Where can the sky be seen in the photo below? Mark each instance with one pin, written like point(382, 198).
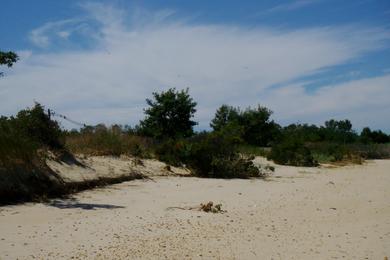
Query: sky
point(97, 61)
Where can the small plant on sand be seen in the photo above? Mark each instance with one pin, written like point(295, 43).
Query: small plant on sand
point(210, 207)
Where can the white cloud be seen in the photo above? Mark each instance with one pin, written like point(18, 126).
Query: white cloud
point(220, 64)
point(364, 101)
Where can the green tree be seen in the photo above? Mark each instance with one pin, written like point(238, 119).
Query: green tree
point(377, 136)
point(169, 115)
point(8, 59)
point(258, 128)
point(339, 131)
point(225, 115)
point(255, 124)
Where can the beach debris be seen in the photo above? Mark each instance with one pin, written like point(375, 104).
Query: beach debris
point(210, 207)
point(206, 207)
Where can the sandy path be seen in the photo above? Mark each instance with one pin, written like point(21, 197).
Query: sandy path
point(297, 214)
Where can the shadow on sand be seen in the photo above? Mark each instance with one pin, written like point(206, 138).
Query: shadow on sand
point(72, 204)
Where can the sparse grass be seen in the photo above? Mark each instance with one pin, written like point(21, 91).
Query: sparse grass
point(323, 158)
point(109, 142)
point(251, 150)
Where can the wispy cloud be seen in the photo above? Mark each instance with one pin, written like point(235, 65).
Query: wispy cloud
point(294, 5)
point(220, 64)
point(41, 36)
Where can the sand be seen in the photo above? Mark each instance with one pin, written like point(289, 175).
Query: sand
point(298, 213)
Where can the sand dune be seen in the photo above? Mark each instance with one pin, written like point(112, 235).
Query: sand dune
point(298, 213)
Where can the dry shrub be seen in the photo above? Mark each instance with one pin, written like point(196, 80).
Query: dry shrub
point(210, 207)
point(106, 141)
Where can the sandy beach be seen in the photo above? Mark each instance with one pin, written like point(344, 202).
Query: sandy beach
point(297, 213)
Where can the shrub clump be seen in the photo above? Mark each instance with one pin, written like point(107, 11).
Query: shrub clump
point(292, 152)
point(24, 142)
point(211, 155)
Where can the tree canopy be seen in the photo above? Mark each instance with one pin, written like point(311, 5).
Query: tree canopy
point(169, 115)
point(254, 123)
point(8, 59)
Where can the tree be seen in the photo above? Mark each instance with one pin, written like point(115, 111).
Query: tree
point(258, 128)
point(224, 115)
point(368, 136)
point(339, 131)
point(255, 124)
point(365, 135)
point(169, 115)
point(8, 59)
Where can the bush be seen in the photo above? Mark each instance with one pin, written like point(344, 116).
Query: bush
point(24, 140)
point(22, 136)
point(212, 155)
point(35, 124)
point(292, 151)
point(174, 152)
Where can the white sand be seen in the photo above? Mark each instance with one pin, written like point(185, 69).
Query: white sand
point(95, 167)
point(299, 213)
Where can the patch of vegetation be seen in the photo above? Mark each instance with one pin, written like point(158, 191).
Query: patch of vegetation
point(169, 115)
point(24, 140)
point(252, 150)
point(216, 155)
point(8, 59)
point(254, 124)
point(102, 140)
point(292, 151)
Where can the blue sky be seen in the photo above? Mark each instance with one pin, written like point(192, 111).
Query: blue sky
point(97, 61)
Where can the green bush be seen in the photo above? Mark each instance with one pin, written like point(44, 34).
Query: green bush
point(22, 136)
point(212, 155)
point(216, 155)
point(292, 151)
point(35, 124)
point(174, 152)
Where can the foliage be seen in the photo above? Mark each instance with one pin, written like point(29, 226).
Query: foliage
point(252, 150)
point(225, 115)
point(38, 126)
point(212, 155)
point(339, 131)
point(8, 59)
point(174, 152)
point(292, 151)
point(24, 140)
point(368, 136)
point(169, 115)
point(23, 135)
point(254, 124)
point(15, 147)
point(215, 155)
